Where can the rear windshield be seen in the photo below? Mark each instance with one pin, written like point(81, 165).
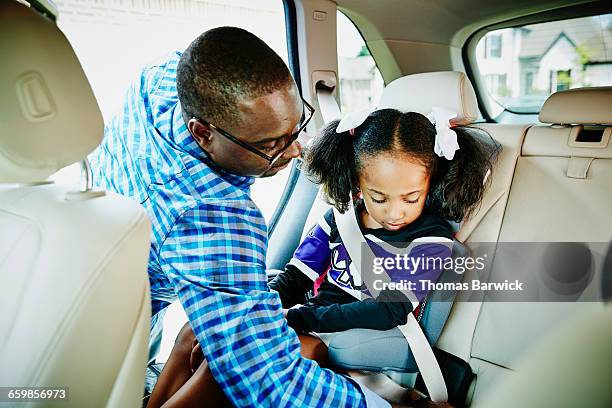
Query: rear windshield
point(522, 66)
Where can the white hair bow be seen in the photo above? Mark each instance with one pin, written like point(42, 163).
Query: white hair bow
point(446, 138)
point(352, 121)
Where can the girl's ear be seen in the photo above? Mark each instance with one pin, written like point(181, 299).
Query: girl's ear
point(359, 194)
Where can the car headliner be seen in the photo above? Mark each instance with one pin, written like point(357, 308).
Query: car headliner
point(438, 21)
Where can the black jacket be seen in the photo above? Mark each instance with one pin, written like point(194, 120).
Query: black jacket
point(332, 309)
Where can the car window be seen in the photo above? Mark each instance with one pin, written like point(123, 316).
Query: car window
point(114, 39)
point(360, 81)
point(522, 66)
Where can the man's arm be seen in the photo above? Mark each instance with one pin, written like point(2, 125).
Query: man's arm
point(217, 267)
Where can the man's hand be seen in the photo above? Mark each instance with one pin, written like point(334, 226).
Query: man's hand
point(197, 357)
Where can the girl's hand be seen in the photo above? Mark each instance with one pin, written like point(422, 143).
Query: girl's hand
point(285, 311)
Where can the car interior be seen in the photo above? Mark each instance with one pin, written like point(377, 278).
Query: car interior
point(64, 251)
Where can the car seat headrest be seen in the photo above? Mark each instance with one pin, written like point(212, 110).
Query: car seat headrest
point(420, 92)
point(49, 115)
point(581, 106)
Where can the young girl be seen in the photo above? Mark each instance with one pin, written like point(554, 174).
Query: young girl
point(407, 183)
point(408, 177)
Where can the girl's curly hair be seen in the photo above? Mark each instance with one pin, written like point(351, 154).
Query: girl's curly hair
point(457, 186)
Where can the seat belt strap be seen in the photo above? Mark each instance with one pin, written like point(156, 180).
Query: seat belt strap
point(327, 103)
point(356, 245)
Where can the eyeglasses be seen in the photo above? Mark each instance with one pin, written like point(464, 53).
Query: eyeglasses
point(285, 141)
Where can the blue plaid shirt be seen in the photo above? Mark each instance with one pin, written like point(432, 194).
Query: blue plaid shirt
point(208, 248)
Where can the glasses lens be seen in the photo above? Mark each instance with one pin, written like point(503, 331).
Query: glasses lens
point(307, 114)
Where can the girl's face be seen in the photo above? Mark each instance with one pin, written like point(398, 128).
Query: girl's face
point(394, 189)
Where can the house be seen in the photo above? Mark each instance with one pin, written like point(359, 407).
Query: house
point(522, 66)
point(360, 82)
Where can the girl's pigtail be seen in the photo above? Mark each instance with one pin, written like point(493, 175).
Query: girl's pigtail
point(330, 162)
point(461, 182)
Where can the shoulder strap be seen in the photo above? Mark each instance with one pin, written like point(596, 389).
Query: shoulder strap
point(356, 245)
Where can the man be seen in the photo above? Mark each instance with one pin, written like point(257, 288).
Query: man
point(194, 131)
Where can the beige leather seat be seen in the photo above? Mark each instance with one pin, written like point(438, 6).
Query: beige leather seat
point(75, 296)
point(561, 191)
point(571, 368)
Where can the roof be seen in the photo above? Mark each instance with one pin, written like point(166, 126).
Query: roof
point(591, 34)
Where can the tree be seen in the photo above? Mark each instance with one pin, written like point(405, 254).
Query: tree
point(364, 52)
point(583, 55)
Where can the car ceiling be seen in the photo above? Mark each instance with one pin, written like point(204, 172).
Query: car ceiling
point(438, 21)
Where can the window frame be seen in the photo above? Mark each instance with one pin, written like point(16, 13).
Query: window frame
point(46, 8)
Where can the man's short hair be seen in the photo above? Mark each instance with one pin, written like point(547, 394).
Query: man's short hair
point(224, 65)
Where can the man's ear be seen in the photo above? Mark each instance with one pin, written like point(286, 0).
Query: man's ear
point(201, 133)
